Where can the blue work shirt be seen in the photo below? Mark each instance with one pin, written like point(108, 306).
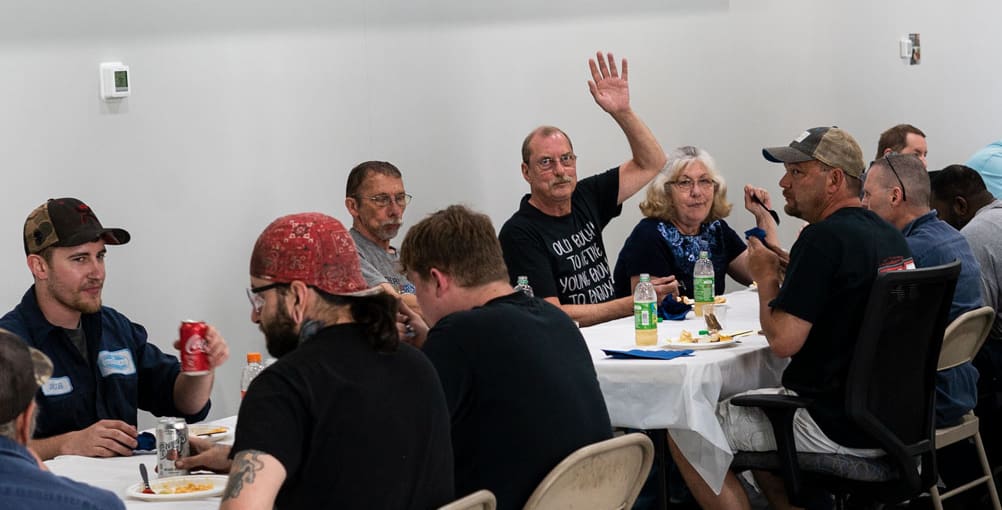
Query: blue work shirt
point(122, 372)
point(934, 242)
point(23, 485)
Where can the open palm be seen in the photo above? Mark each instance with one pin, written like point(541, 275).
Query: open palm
point(610, 89)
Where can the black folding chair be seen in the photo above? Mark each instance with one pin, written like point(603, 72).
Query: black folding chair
point(890, 397)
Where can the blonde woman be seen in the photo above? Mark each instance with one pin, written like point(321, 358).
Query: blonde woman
point(685, 209)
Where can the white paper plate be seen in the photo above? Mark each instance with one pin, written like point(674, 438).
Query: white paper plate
point(209, 431)
point(697, 347)
point(218, 483)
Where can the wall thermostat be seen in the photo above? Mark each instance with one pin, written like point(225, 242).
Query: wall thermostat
point(114, 80)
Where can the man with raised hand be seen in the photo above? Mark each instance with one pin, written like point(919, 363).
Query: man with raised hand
point(555, 237)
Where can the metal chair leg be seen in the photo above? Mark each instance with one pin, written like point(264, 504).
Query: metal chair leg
point(992, 492)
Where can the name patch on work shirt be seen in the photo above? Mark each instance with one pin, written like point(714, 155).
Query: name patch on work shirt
point(57, 386)
point(115, 362)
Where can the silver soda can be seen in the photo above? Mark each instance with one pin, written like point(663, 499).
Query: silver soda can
point(172, 444)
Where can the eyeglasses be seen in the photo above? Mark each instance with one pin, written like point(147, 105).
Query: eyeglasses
point(687, 184)
point(904, 197)
point(547, 162)
point(383, 199)
point(253, 294)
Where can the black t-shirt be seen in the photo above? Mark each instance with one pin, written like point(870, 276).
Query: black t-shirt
point(565, 256)
point(354, 428)
point(657, 248)
point(522, 390)
point(832, 268)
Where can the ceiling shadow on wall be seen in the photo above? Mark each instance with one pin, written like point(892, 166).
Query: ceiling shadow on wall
point(54, 20)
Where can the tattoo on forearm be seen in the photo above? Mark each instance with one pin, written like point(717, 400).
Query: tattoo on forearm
point(246, 465)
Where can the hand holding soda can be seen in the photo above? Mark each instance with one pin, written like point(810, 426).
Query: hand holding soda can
point(194, 354)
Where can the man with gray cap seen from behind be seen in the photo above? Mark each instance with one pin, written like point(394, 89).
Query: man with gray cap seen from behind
point(24, 480)
point(105, 369)
point(814, 317)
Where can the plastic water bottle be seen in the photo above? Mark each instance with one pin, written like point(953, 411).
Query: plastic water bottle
point(523, 286)
point(250, 371)
point(703, 281)
point(645, 311)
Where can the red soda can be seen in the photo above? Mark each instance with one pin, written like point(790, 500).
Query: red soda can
point(194, 356)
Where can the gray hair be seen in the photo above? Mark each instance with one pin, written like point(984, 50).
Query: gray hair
point(659, 202)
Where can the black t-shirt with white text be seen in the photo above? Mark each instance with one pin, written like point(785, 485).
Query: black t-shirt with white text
point(565, 256)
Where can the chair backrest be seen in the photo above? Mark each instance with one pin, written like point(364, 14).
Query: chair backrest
point(965, 336)
point(480, 500)
point(890, 390)
point(602, 476)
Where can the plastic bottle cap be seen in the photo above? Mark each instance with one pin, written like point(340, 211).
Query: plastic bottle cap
point(703, 332)
point(253, 357)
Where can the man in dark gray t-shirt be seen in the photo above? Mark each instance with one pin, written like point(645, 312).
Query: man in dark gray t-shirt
point(375, 198)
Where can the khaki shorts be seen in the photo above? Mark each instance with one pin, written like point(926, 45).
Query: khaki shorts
point(748, 429)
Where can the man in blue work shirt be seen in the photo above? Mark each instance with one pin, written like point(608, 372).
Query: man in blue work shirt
point(24, 483)
point(104, 368)
point(897, 189)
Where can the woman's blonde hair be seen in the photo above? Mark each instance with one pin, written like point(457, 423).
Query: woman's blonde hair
point(659, 202)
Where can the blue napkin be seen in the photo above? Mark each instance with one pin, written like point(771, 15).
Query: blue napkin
point(671, 310)
point(147, 443)
point(642, 354)
point(755, 232)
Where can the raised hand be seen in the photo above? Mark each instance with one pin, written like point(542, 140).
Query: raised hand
point(610, 89)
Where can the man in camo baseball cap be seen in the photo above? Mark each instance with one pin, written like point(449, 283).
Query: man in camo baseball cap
point(66, 222)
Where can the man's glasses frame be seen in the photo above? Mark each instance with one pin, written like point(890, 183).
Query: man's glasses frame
point(253, 294)
point(566, 160)
point(904, 196)
point(383, 199)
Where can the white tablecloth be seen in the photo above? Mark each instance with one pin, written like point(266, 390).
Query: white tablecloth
point(681, 394)
point(116, 474)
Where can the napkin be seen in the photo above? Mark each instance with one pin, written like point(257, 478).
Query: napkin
point(642, 354)
point(147, 443)
point(671, 310)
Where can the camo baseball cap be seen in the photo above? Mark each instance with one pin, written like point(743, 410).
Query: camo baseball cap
point(66, 222)
point(312, 248)
point(829, 145)
point(23, 370)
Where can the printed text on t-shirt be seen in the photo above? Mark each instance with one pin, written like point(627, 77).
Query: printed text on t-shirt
point(591, 280)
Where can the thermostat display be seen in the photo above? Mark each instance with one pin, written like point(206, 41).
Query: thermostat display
point(114, 80)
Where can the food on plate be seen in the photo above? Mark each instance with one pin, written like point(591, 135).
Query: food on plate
point(685, 337)
point(706, 337)
point(186, 488)
point(689, 301)
point(208, 431)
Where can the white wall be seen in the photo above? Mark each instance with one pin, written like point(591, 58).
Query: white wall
point(246, 110)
